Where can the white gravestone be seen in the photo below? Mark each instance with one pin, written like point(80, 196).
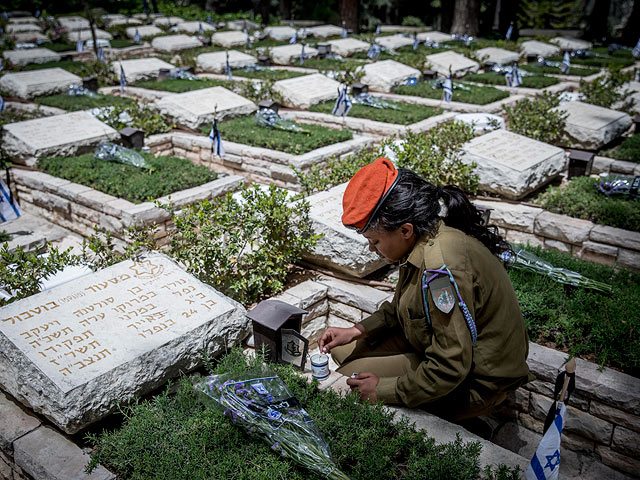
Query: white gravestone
point(303, 92)
point(144, 31)
point(167, 21)
point(174, 43)
point(195, 109)
point(242, 24)
point(23, 20)
point(481, 122)
point(111, 17)
point(290, 54)
point(229, 39)
point(23, 27)
point(280, 34)
point(539, 49)
point(393, 42)
point(216, 62)
point(591, 127)
point(434, 36)
point(386, 74)
point(30, 55)
point(125, 21)
point(74, 352)
point(459, 64)
point(35, 83)
point(73, 22)
point(84, 35)
point(29, 37)
point(513, 165)
point(500, 56)
point(345, 47)
point(60, 135)
point(324, 31)
point(339, 248)
point(140, 68)
point(567, 43)
point(194, 27)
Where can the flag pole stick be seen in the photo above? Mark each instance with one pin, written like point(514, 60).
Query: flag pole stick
point(570, 367)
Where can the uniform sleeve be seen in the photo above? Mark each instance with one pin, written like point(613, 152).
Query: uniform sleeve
point(448, 358)
point(385, 317)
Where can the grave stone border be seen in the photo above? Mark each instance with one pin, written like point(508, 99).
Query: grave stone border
point(458, 107)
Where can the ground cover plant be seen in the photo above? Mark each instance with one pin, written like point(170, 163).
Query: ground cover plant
point(535, 118)
point(479, 95)
point(11, 116)
point(628, 150)
point(574, 71)
point(579, 198)
point(329, 63)
point(180, 437)
point(492, 78)
point(267, 73)
point(583, 322)
point(607, 89)
point(69, 65)
point(166, 175)
point(405, 114)
point(134, 115)
point(599, 62)
point(59, 46)
point(95, 68)
point(245, 130)
point(179, 85)
point(73, 103)
point(121, 43)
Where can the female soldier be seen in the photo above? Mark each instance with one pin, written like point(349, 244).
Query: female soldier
point(452, 340)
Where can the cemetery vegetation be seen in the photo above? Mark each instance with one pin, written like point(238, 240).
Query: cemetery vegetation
point(492, 78)
point(329, 63)
point(59, 46)
point(166, 175)
point(573, 71)
point(599, 62)
point(245, 130)
point(607, 90)
point(405, 114)
point(476, 94)
point(628, 150)
point(179, 85)
point(90, 68)
point(4, 236)
point(183, 436)
point(11, 116)
point(134, 115)
point(73, 103)
point(267, 73)
point(121, 43)
point(535, 117)
point(580, 199)
point(580, 321)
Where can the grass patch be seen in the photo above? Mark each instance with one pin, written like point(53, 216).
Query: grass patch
point(492, 78)
point(167, 175)
point(583, 322)
point(121, 43)
point(476, 94)
point(330, 64)
point(179, 85)
point(267, 74)
point(245, 130)
point(628, 150)
point(575, 71)
point(405, 115)
point(598, 62)
point(580, 199)
point(82, 102)
point(69, 65)
point(59, 46)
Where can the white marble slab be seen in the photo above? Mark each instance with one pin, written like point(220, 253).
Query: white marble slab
point(324, 31)
point(290, 54)
point(73, 22)
point(393, 42)
point(137, 69)
point(84, 35)
point(568, 43)
point(22, 28)
point(434, 36)
point(144, 31)
point(216, 62)
point(229, 39)
point(30, 55)
point(459, 64)
point(302, 92)
point(386, 74)
point(281, 34)
point(346, 47)
point(175, 43)
point(165, 21)
point(500, 56)
point(194, 27)
point(29, 37)
point(36, 83)
point(539, 49)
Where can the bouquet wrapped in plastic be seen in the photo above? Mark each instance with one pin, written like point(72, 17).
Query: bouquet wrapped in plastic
point(368, 100)
point(619, 185)
point(115, 153)
point(266, 117)
point(260, 402)
point(78, 91)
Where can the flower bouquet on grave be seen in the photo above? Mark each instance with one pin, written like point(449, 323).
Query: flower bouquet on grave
point(439, 83)
point(626, 185)
point(266, 117)
point(527, 261)
point(366, 99)
point(77, 91)
point(115, 153)
point(260, 402)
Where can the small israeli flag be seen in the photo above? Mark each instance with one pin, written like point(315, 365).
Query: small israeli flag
point(101, 56)
point(79, 46)
point(200, 29)
point(216, 141)
point(378, 30)
point(509, 32)
point(636, 50)
point(136, 37)
point(344, 32)
point(248, 39)
point(9, 208)
point(374, 51)
point(566, 63)
point(545, 464)
point(1, 65)
point(209, 20)
point(411, 81)
point(2, 104)
point(123, 79)
point(227, 69)
point(513, 78)
point(447, 89)
point(343, 104)
point(37, 14)
point(294, 38)
point(416, 42)
point(302, 55)
point(467, 39)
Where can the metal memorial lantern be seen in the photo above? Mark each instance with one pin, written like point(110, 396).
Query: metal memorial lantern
point(580, 163)
point(324, 49)
point(90, 83)
point(264, 60)
point(276, 326)
point(269, 104)
point(429, 74)
point(358, 88)
point(164, 73)
point(132, 138)
point(636, 122)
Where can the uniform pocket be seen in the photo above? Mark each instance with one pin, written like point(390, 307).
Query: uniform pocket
point(418, 333)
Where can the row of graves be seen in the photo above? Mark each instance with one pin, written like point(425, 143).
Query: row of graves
point(265, 105)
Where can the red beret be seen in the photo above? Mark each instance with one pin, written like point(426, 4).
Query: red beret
point(366, 191)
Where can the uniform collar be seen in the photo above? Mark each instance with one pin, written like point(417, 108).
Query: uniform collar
point(416, 256)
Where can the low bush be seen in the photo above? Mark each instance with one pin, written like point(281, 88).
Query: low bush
point(574, 71)
point(628, 150)
point(167, 175)
point(579, 198)
point(73, 103)
point(69, 65)
point(607, 89)
point(90, 68)
point(121, 43)
point(599, 62)
point(535, 118)
point(329, 63)
point(478, 95)
point(267, 74)
point(406, 113)
point(245, 130)
point(178, 85)
point(59, 46)
point(580, 321)
point(534, 81)
point(134, 115)
point(412, 21)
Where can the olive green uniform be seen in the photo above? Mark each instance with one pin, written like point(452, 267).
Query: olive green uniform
point(440, 363)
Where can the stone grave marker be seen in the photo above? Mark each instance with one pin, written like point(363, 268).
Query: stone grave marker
point(150, 16)
point(125, 21)
point(460, 65)
point(302, 92)
point(195, 109)
point(35, 83)
point(393, 42)
point(216, 61)
point(140, 68)
point(539, 49)
point(340, 248)
point(567, 43)
point(290, 54)
point(73, 22)
point(175, 43)
point(324, 31)
point(500, 56)
point(23, 20)
point(29, 37)
point(434, 36)
point(345, 47)
point(84, 35)
point(242, 24)
point(229, 39)
point(144, 31)
point(61, 135)
point(591, 127)
point(22, 27)
point(194, 27)
point(386, 74)
point(80, 348)
point(30, 55)
point(111, 17)
point(513, 165)
point(165, 21)
point(280, 34)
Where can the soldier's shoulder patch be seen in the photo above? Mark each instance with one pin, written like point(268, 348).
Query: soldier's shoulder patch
point(442, 293)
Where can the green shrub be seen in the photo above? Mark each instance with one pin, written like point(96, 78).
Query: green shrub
point(267, 74)
point(167, 175)
point(575, 71)
point(580, 199)
point(412, 21)
point(243, 247)
point(478, 95)
point(59, 46)
point(580, 321)
point(90, 68)
point(329, 63)
point(245, 130)
point(628, 150)
point(599, 62)
point(140, 115)
point(11, 116)
point(178, 85)
point(606, 90)
point(68, 65)
point(535, 118)
point(406, 114)
point(534, 81)
point(121, 43)
point(82, 102)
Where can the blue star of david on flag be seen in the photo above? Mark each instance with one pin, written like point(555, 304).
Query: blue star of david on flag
point(545, 464)
point(101, 56)
point(343, 104)
point(416, 42)
point(79, 46)
point(200, 29)
point(248, 39)
point(412, 81)
point(227, 69)
point(513, 77)
point(374, 51)
point(302, 55)
point(123, 79)
point(378, 30)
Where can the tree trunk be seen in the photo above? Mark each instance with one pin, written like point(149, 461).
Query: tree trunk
point(285, 9)
point(465, 17)
point(630, 31)
point(264, 11)
point(92, 26)
point(598, 21)
point(349, 14)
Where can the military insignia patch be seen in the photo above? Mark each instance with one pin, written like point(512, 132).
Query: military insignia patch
point(442, 294)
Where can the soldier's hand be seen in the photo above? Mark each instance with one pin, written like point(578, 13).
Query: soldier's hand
point(336, 336)
point(366, 384)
